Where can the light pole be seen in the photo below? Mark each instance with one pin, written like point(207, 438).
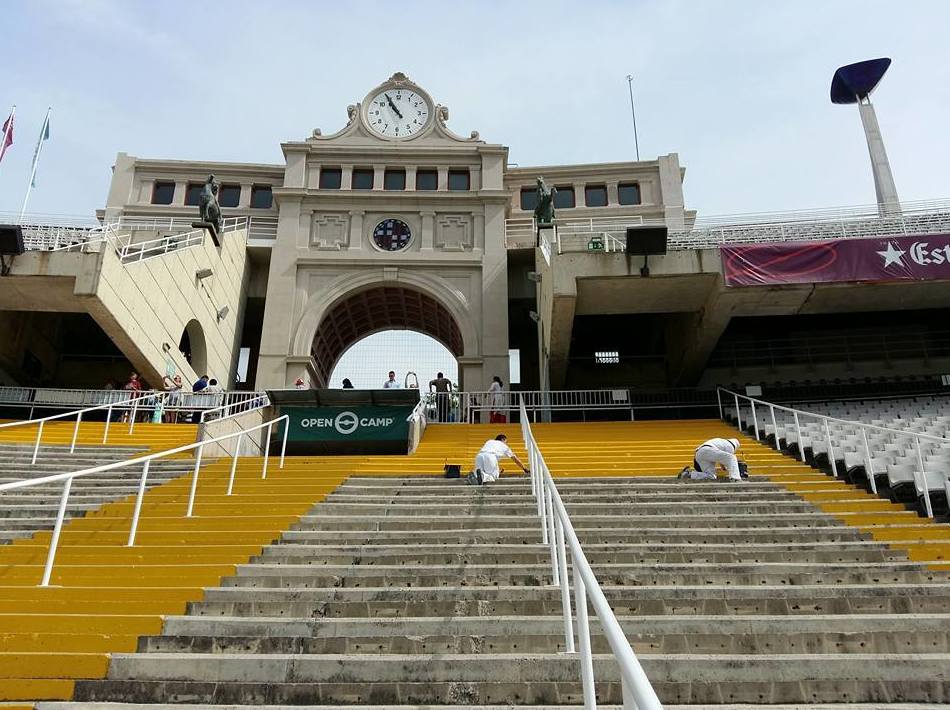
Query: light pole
point(853, 84)
point(633, 113)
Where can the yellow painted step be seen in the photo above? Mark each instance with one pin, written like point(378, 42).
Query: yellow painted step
point(36, 689)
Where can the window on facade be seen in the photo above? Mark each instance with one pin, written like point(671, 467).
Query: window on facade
point(564, 197)
point(607, 357)
point(229, 195)
point(529, 198)
point(459, 180)
point(331, 178)
point(163, 193)
point(261, 197)
point(628, 193)
point(595, 195)
point(193, 193)
point(394, 180)
point(362, 179)
point(427, 179)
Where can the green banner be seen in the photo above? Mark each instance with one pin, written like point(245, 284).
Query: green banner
point(367, 423)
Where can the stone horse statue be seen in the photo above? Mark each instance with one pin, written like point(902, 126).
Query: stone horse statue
point(208, 205)
point(544, 212)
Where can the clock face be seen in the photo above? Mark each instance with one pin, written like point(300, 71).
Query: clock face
point(397, 113)
point(392, 235)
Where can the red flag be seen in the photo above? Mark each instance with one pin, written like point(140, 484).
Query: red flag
point(7, 136)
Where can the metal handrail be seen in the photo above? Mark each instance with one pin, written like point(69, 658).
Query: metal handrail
point(146, 460)
point(417, 423)
point(920, 483)
point(158, 398)
point(254, 401)
point(134, 252)
point(558, 532)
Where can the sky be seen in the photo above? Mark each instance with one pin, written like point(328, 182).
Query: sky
point(739, 89)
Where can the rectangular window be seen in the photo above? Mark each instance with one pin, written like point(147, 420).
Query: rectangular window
point(229, 195)
point(564, 198)
point(607, 357)
point(628, 193)
point(394, 180)
point(193, 193)
point(331, 178)
point(529, 198)
point(362, 179)
point(163, 193)
point(595, 195)
point(459, 180)
point(262, 198)
point(427, 179)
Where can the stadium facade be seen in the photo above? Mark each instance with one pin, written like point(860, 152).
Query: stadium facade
point(395, 221)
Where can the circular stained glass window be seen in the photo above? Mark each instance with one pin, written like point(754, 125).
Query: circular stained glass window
point(392, 235)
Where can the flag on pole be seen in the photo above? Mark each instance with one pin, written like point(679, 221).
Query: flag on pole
point(44, 136)
point(7, 134)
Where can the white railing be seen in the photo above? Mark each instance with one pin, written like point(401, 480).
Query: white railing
point(131, 404)
point(263, 228)
point(247, 402)
point(520, 232)
point(558, 533)
point(572, 234)
point(177, 401)
point(921, 477)
point(146, 461)
point(467, 407)
point(134, 252)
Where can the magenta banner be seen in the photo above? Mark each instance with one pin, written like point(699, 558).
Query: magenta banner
point(917, 258)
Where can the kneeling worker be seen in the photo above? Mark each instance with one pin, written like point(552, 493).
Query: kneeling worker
point(486, 460)
point(721, 452)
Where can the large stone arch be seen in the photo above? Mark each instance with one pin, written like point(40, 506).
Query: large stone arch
point(322, 302)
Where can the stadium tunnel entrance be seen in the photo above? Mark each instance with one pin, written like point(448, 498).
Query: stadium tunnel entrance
point(375, 310)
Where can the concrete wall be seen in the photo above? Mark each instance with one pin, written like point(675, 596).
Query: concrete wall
point(252, 443)
point(146, 305)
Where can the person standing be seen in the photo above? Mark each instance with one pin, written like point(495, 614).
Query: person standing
point(442, 386)
point(173, 400)
point(487, 469)
point(200, 384)
point(718, 452)
point(347, 385)
point(391, 383)
point(300, 384)
point(497, 411)
point(134, 388)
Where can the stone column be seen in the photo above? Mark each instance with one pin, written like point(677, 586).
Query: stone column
point(428, 230)
point(613, 199)
point(411, 178)
point(347, 178)
point(478, 231)
point(579, 198)
point(378, 175)
point(356, 230)
point(245, 199)
point(178, 198)
point(443, 178)
point(475, 178)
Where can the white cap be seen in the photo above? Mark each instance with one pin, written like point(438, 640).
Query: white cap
point(735, 444)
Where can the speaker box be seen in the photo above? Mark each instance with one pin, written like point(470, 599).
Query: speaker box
point(11, 240)
point(646, 241)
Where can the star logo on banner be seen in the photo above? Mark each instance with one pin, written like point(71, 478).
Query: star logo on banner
point(893, 255)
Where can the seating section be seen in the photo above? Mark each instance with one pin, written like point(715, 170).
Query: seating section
point(895, 459)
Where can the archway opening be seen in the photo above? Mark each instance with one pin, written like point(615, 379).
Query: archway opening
point(193, 348)
point(379, 312)
point(416, 359)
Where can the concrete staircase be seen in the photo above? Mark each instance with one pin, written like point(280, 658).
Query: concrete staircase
point(421, 591)
point(24, 512)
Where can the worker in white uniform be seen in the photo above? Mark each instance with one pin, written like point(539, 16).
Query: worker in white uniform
point(486, 461)
point(720, 452)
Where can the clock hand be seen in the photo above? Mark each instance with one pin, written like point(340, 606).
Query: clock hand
point(392, 105)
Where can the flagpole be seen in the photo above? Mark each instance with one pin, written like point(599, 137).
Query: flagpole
point(6, 132)
point(36, 160)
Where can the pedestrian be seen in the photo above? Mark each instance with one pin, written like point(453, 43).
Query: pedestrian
point(391, 383)
point(300, 384)
point(497, 412)
point(213, 386)
point(717, 452)
point(173, 399)
point(486, 461)
point(200, 384)
point(134, 387)
point(347, 385)
point(441, 385)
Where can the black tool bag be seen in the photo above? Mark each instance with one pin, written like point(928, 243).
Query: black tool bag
point(453, 470)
